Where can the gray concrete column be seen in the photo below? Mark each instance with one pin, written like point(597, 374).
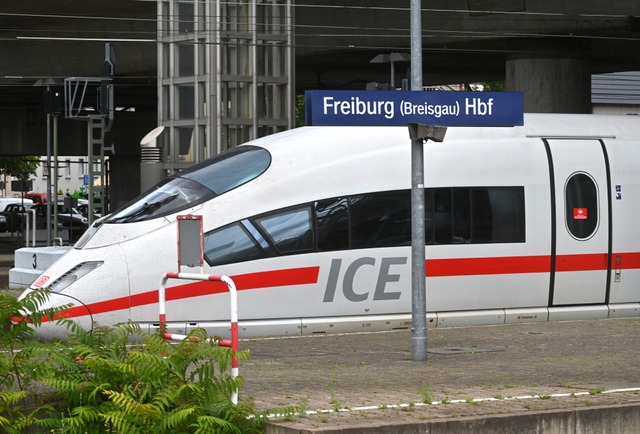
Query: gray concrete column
point(557, 82)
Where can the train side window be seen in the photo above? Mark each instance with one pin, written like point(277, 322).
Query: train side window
point(290, 231)
point(442, 210)
point(461, 216)
point(428, 215)
point(475, 215)
point(482, 227)
point(230, 244)
point(332, 224)
point(498, 215)
point(581, 206)
point(380, 219)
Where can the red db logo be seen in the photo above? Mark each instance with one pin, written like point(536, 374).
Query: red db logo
point(579, 213)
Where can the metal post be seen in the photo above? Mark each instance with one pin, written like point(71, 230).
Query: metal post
point(48, 203)
point(54, 197)
point(418, 284)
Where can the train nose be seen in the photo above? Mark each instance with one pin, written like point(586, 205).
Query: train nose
point(94, 292)
point(75, 310)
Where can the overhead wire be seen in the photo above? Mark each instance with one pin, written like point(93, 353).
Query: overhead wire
point(329, 36)
point(558, 17)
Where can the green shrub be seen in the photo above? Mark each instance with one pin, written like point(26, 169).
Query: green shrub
point(21, 363)
point(118, 380)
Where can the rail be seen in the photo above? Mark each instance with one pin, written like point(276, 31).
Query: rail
point(233, 343)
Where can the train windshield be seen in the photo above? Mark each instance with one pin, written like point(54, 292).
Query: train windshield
point(196, 185)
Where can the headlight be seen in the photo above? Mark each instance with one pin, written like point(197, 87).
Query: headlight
point(74, 274)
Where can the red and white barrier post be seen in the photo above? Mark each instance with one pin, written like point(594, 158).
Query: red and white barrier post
point(233, 343)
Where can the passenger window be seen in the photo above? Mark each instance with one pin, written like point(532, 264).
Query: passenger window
point(290, 231)
point(332, 224)
point(442, 215)
point(498, 215)
point(461, 216)
point(428, 216)
point(483, 226)
point(581, 206)
point(230, 244)
point(381, 219)
point(457, 215)
point(475, 215)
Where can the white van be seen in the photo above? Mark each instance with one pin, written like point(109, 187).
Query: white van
point(4, 201)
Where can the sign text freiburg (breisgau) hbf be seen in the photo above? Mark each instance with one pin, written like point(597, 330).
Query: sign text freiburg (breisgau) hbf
point(400, 108)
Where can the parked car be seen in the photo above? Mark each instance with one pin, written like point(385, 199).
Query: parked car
point(83, 208)
point(41, 197)
point(5, 201)
point(3, 223)
point(68, 218)
point(14, 215)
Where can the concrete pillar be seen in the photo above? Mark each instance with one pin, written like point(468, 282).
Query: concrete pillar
point(554, 78)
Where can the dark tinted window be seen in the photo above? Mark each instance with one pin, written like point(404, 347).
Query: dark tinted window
point(498, 215)
point(474, 215)
point(230, 244)
point(581, 197)
point(461, 216)
point(381, 219)
point(195, 185)
point(458, 215)
point(332, 224)
point(290, 230)
point(230, 169)
point(443, 215)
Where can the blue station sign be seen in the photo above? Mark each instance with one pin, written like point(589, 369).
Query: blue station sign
point(400, 108)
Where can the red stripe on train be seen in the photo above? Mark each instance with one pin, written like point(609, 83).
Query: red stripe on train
point(309, 275)
point(628, 260)
point(527, 264)
point(265, 279)
point(482, 266)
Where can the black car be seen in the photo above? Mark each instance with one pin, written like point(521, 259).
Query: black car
point(68, 218)
point(14, 215)
point(83, 208)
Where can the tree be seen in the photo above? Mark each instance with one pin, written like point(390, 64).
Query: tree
point(300, 117)
point(494, 86)
point(19, 167)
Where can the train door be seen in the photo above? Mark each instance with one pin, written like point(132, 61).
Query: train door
point(580, 260)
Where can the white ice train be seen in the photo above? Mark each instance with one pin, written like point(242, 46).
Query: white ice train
point(529, 223)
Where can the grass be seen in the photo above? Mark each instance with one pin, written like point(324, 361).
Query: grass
point(425, 393)
point(336, 403)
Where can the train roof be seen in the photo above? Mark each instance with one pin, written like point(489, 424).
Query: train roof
point(621, 127)
point(315, 162)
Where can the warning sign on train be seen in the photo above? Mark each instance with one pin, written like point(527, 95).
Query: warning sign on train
point(400, 108)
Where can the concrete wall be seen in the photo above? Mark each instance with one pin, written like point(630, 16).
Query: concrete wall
point(619, 419)
point(551, 85)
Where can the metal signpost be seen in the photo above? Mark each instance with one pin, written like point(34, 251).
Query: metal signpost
point(418, 255)
point(427, 114)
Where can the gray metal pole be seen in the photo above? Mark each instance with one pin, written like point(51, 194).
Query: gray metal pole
point(54, 198)
point(418, 269)
point(48, 205)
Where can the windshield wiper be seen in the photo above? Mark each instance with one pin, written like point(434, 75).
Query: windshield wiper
point(147, 208)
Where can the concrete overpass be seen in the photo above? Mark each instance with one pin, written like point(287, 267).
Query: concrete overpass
point(464, 41)
point(545, 48)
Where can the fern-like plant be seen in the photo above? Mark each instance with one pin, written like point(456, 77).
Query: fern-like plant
point(115, 380)
point(21, 362)
point(149, 386)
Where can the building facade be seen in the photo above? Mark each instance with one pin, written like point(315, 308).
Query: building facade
point(225, 75)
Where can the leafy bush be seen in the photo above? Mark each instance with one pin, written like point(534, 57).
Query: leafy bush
point(21, 363)
point(118, 380)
